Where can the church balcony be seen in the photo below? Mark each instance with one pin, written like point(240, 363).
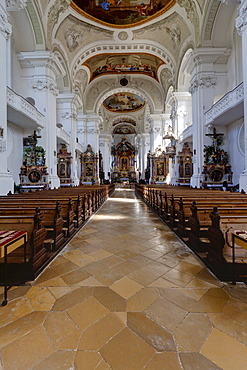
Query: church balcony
point(79, 148)
point(62, 136)
point(228, 109)
point(21, 112)
point(186, 134)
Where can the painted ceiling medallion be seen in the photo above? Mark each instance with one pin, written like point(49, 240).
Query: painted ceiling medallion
point(123, 102)
point(124, 130)
point(122, 13)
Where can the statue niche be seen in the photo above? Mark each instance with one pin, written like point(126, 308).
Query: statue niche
point(216, 169)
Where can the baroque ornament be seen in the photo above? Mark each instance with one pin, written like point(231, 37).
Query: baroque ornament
point(5, 26)
point(73, 38)
point(202, 82)
point(15, 5)
point(241, 21)
point(41, 85)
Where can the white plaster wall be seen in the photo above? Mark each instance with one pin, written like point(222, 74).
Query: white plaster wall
point(17, 83)
point(236, 157)
point(14, 150)
point(235, 69)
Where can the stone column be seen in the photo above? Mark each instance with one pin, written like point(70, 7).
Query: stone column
point(205, 77)
point(241, 25)
point(144, 148)
point(105, 148)
point(67, 108)
point(6, 180)
point(39, 71)
point(155, 121)
point(92, 130)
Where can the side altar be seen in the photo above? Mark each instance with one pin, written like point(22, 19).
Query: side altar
point(89, 167)
point(64, 159)
point(33, 173)
point(216, 169)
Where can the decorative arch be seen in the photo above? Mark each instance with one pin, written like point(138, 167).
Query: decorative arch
point(63, 82)
point(183, 79)
point(107, 48)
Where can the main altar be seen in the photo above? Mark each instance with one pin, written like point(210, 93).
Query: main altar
point(124, 154)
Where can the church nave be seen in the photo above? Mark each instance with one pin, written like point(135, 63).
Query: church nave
point(125, 293)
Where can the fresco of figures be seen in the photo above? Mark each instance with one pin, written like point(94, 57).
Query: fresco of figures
point(122, 63)
point(122, 12)
point(123, 102)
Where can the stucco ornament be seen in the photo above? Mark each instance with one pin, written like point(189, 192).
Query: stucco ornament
point(73, 38)
point(174, 32)
point(5, 26)
point(15, 5)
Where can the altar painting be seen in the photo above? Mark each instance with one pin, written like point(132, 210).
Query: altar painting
point(122, 12)
point(123, 102)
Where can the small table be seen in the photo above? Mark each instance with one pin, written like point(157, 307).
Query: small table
point(9, 241)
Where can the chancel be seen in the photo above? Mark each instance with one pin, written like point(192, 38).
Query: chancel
point(123, 181)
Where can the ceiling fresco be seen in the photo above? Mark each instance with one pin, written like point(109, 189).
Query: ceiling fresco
point(124, 130)
point(124, 120)
point(123, 63)
point(123, 102)
point(122, 12)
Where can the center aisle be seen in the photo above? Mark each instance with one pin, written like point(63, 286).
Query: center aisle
point(125, 294)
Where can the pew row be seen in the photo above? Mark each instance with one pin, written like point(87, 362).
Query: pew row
point(189, 215)
point(51, 219)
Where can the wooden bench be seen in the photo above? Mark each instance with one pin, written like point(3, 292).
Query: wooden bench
point(36, 251)
point(219, 256)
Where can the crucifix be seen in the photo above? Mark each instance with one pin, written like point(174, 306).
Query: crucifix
point(214, 136)
point(33, 141)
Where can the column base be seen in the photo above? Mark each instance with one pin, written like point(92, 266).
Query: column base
point(6, 183)
point(243, 182)
point(196, 181)
point(54, 182)
point(174, 181)
point(76, 181)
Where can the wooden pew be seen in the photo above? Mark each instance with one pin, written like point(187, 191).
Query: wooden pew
point(36, 251)
point(219, 256)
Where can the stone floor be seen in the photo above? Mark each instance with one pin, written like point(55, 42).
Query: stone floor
point(125, 294)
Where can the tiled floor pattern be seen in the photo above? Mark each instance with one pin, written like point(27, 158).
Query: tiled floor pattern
point(125, 294)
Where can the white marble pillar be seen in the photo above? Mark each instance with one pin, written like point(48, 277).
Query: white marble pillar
point(40, 70)
point(105, 148)
point(92, 131)
point(6, 180)
point(155, 131)
point(241, 25)
point(67, 108)
point(203, 69)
